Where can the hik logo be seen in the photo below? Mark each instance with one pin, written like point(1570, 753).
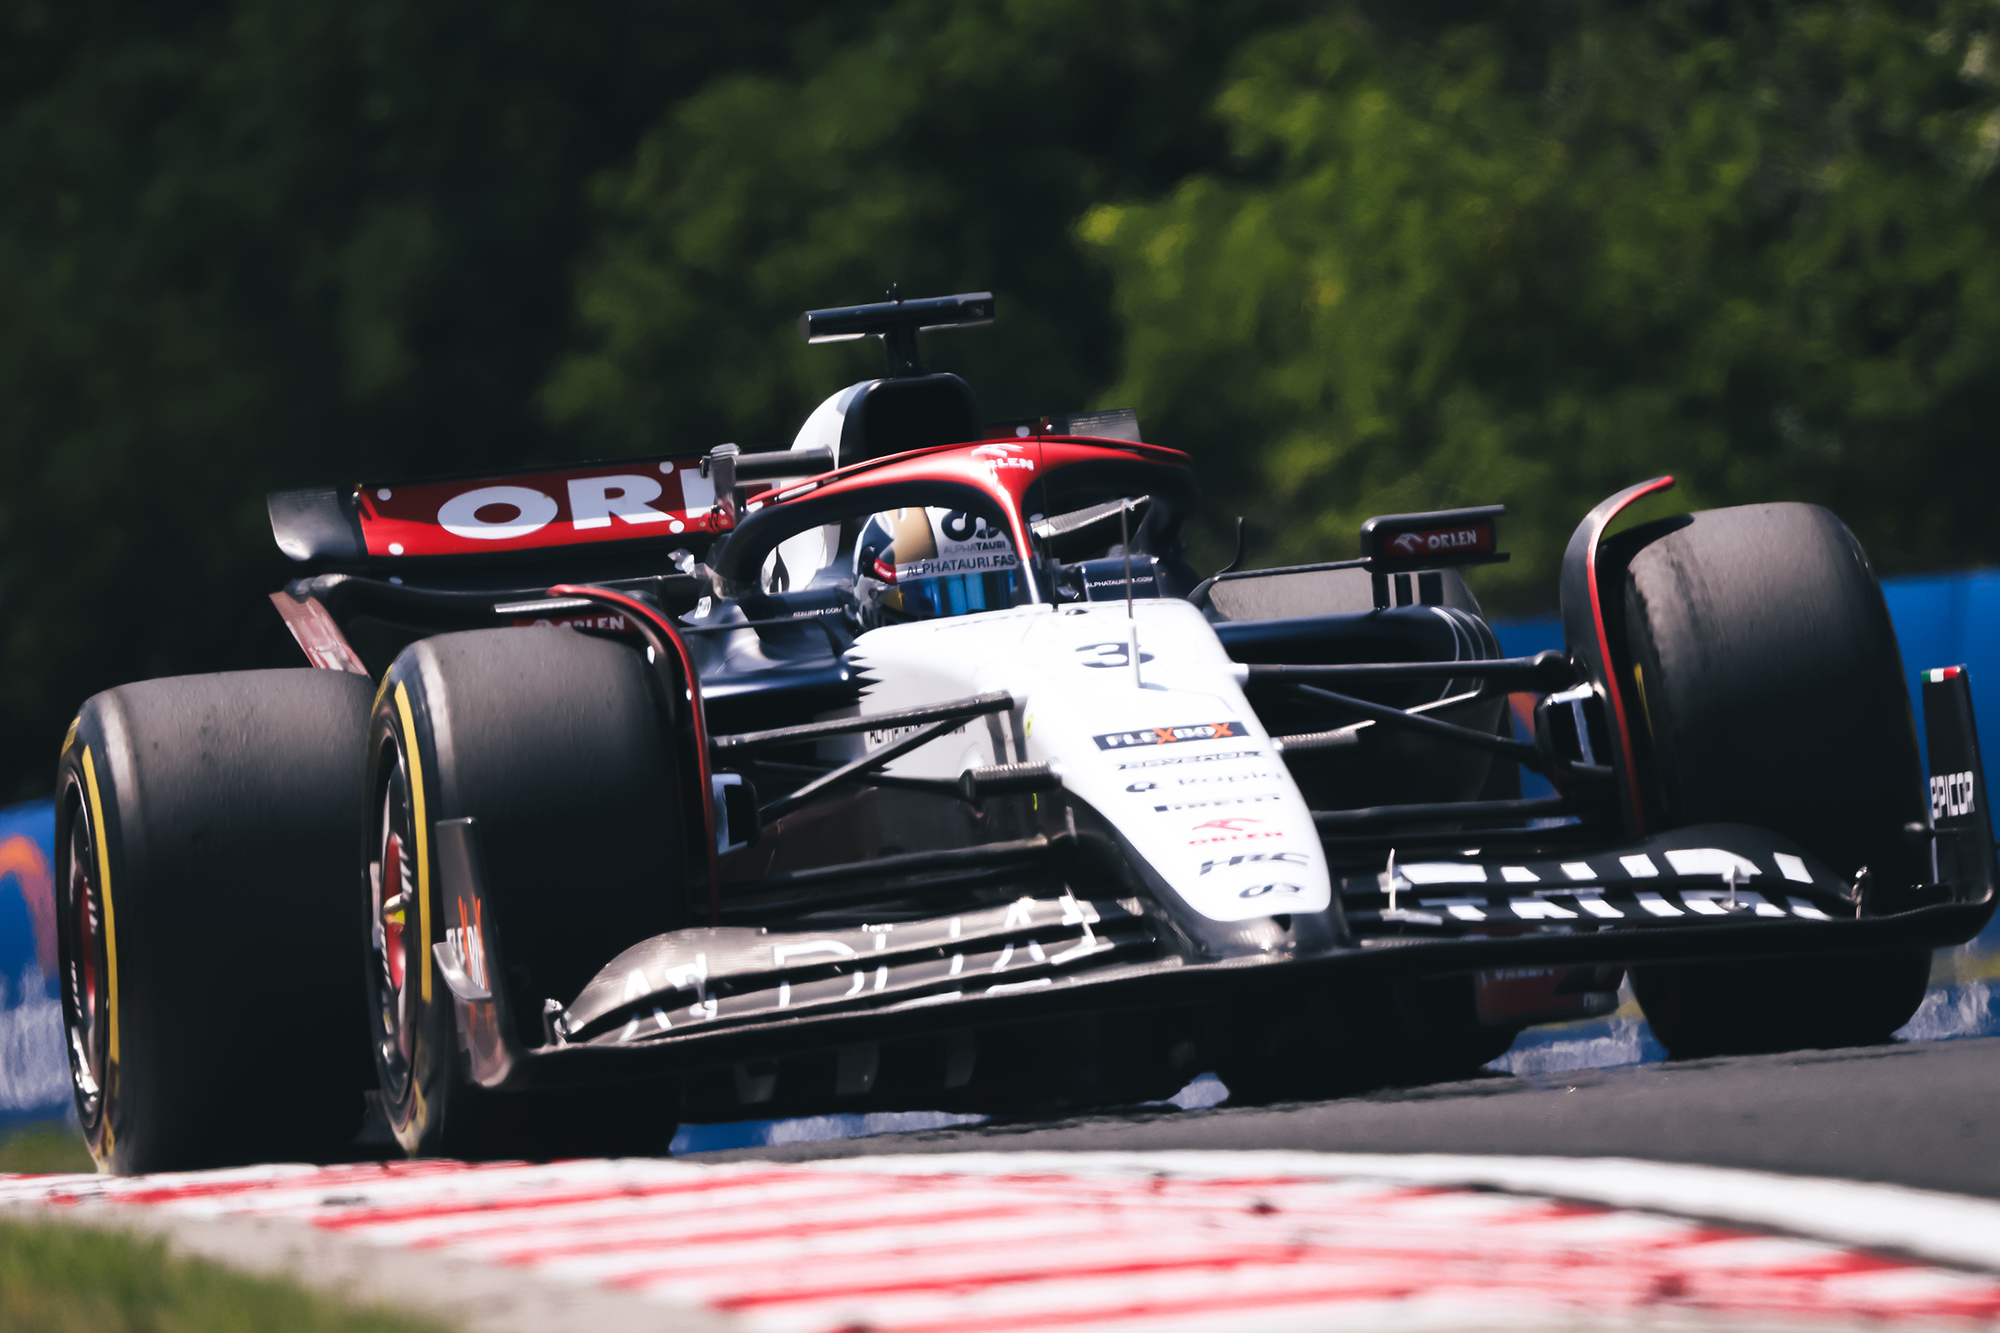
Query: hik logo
point(1247, 858)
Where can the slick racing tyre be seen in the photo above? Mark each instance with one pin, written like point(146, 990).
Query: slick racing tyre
point(1339, 1044)
point(554, 744)
point(207, 830)
point(1771, 692)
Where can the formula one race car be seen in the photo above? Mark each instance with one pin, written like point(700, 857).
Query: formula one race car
point(913, 767)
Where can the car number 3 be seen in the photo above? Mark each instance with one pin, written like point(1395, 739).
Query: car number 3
point(1111, 655)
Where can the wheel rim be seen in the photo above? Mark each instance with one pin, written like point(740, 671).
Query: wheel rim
point(391, 888)
point(86, 968)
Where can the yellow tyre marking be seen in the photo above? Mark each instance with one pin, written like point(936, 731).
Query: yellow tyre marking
point(423, 836)
point(419, 1113)
point(110, 935)
point(1645, 705)
point(69, 737)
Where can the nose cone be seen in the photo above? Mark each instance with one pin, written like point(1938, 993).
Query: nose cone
point(1174, 757)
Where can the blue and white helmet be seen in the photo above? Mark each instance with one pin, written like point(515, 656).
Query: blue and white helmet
point(921, 564)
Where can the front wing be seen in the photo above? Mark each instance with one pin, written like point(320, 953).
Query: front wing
point(1519, 898)
point(702, 997)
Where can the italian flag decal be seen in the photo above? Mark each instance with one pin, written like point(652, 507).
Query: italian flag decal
point(1941, 674)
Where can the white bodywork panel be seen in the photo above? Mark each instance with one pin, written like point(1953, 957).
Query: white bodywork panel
point(1175, 759)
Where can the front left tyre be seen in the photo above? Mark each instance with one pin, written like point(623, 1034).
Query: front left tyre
point(206, 836)
point(1769, 690)
point(556, 745)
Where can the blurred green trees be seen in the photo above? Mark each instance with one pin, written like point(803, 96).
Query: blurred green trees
point(1357, 258)
point(1539, 255)
point(254, 243)
point(950, 145)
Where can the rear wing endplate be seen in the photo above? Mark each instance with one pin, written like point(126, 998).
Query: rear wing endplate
point(1961, 821)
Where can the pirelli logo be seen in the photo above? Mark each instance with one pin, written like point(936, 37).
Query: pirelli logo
point(1200, 731)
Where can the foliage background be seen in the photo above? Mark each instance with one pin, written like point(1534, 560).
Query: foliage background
point(1356, 257)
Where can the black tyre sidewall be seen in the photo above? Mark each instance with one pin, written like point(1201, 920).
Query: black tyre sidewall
point(417, 1098)
point(225, 809)
point(1771, 687)
point(1723, 1008)
point(1770, 691)
point(554, 743)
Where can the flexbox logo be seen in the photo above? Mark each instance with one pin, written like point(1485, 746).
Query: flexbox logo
point(1201, 731)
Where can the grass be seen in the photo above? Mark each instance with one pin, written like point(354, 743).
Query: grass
point(60, 1278)
point(65, 1279)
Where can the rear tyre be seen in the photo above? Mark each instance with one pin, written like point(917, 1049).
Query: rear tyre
point(1702, 1009)
point(1770, 691)
point(554, 742)
point(206, 829)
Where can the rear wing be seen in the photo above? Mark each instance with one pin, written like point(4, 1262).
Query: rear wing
point(585, 505)
point(689, 498)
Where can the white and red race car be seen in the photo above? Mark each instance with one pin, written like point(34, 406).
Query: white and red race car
point(912, 766)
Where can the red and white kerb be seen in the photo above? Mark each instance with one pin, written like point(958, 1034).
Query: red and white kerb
point(1129, 1242)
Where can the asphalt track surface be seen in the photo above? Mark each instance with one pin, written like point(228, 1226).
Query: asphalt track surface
point(1921, 1114)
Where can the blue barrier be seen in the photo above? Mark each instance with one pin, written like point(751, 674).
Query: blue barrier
point(34, 1071)
point(1952, 620)
point(1940, 619)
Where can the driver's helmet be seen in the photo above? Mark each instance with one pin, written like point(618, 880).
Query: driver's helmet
point(920, 564)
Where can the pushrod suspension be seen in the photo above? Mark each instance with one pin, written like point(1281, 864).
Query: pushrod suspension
point(1518, 751)
point(1549, 670)
point(957, 710)
point(1390, 816)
